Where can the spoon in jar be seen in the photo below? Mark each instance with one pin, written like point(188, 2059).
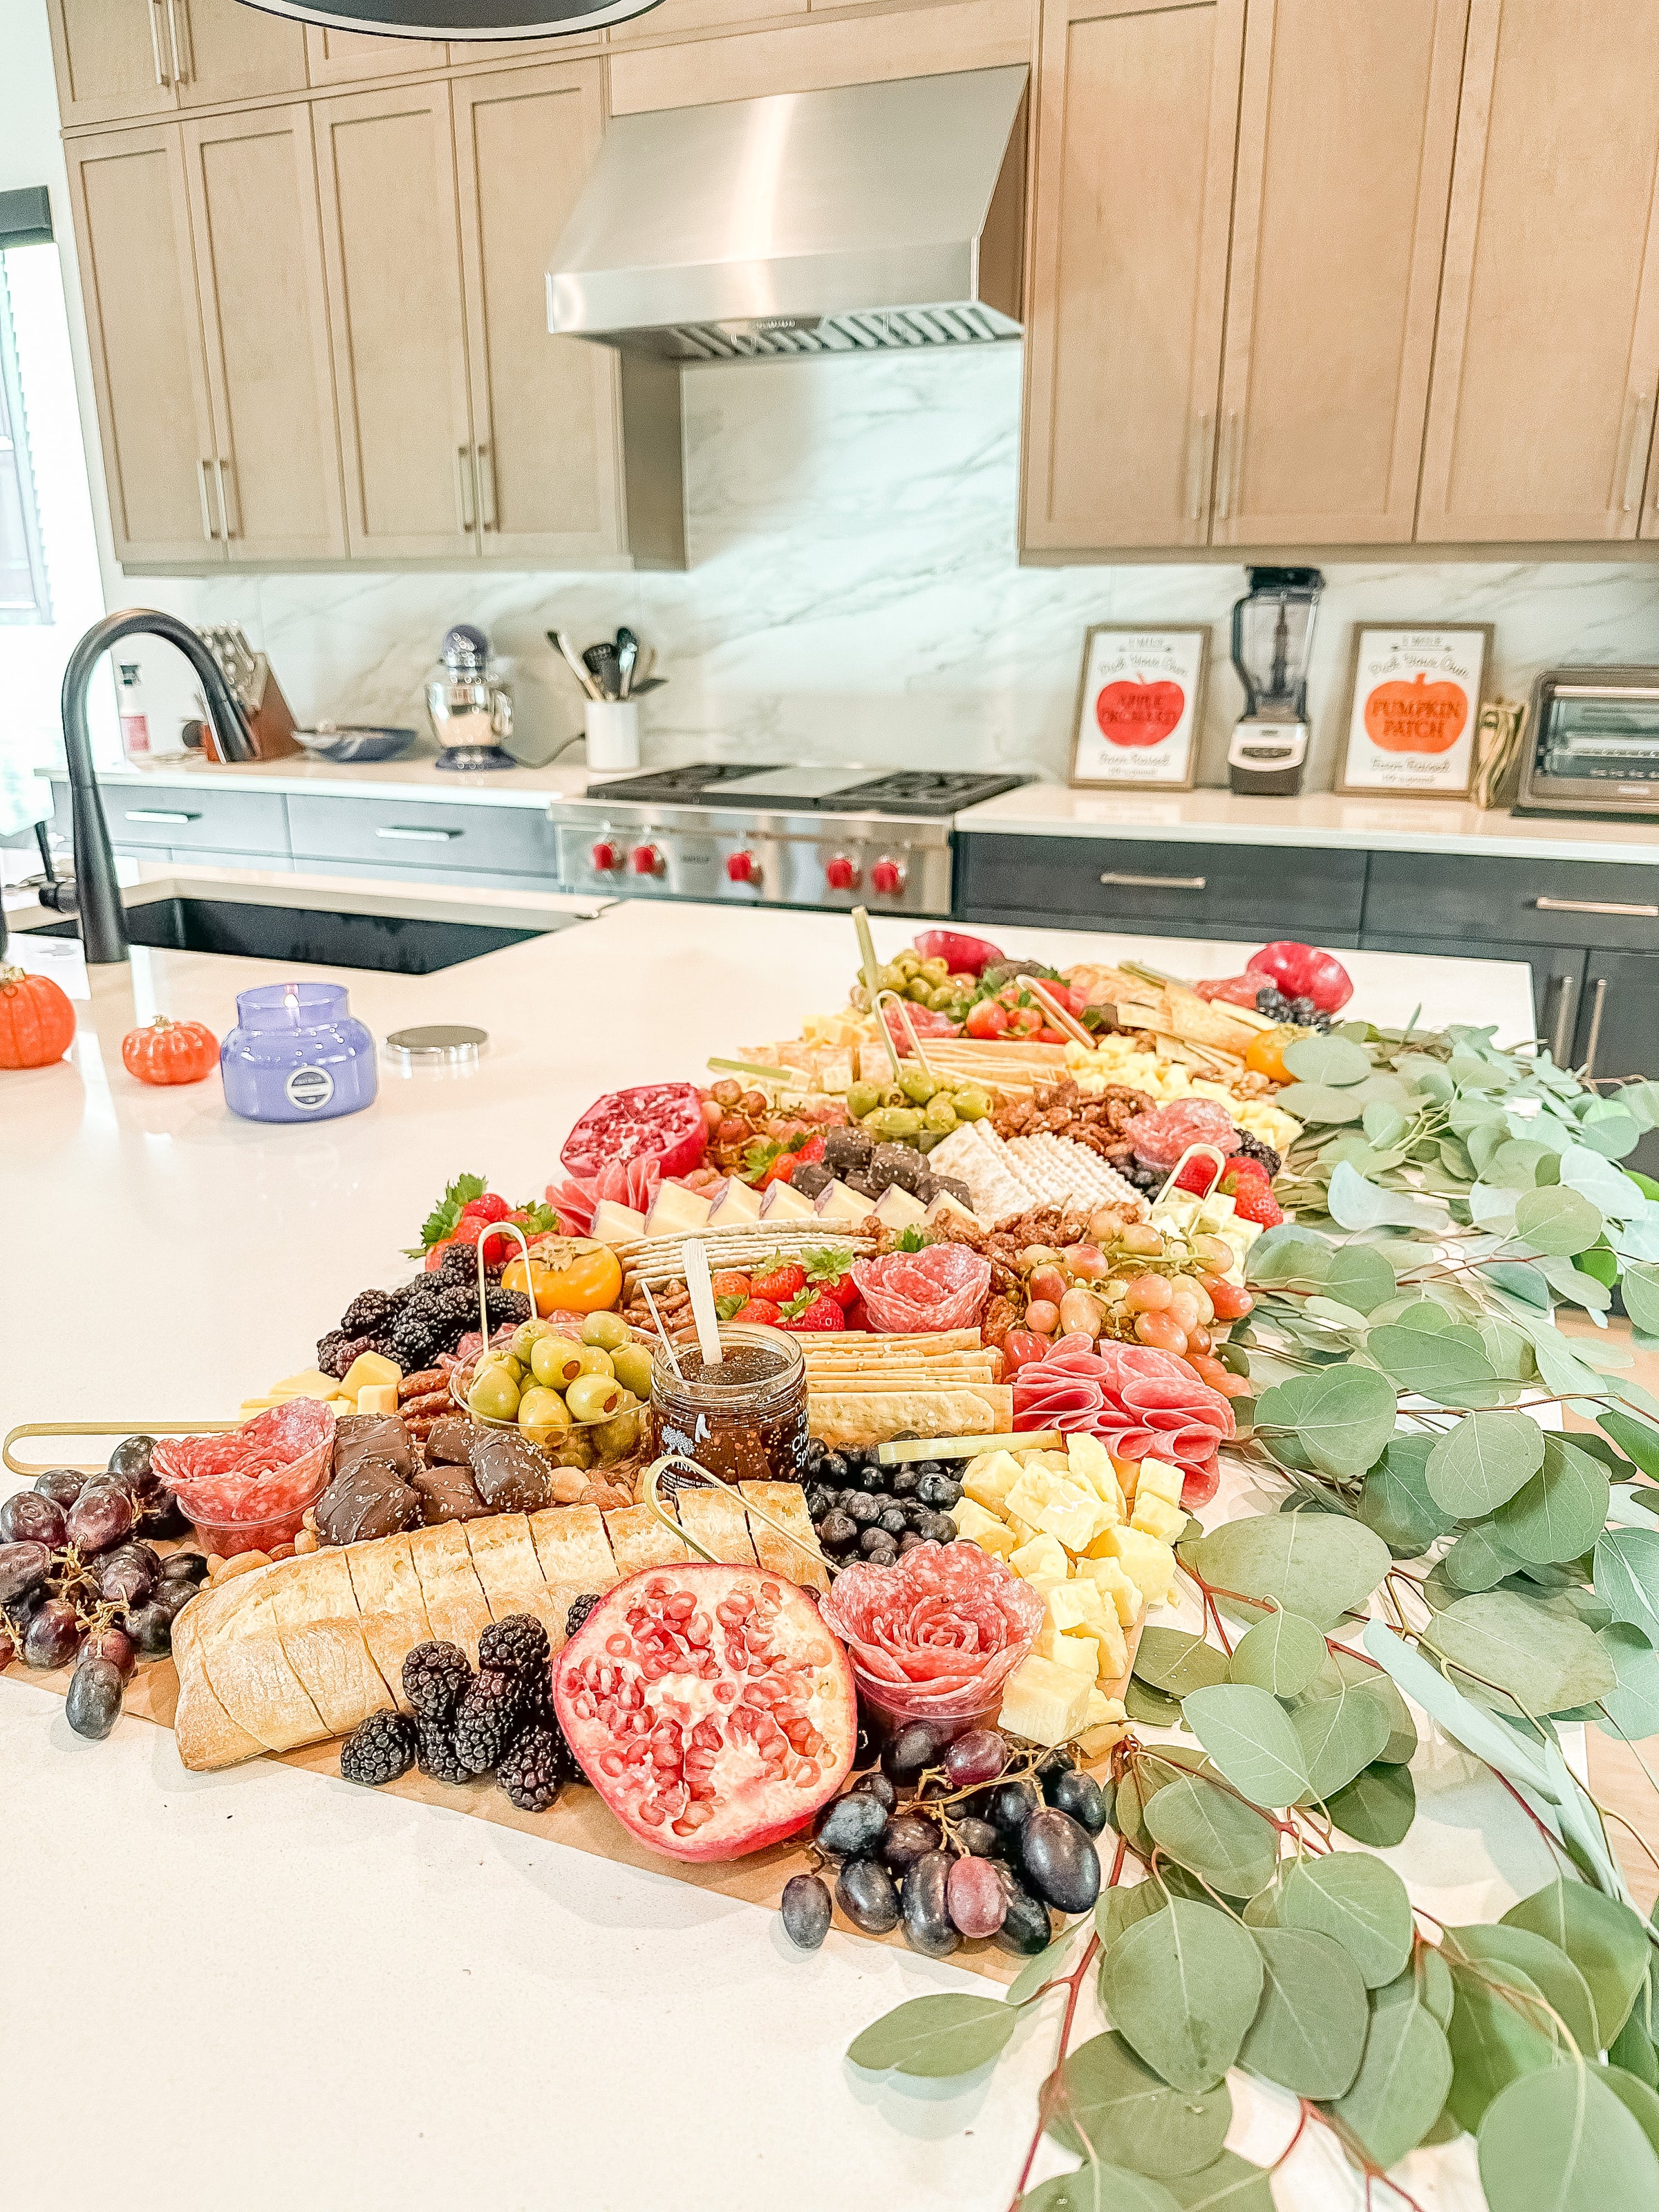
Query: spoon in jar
point(700, 1285)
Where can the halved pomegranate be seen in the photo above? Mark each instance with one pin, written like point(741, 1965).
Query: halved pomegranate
point(710, 1708)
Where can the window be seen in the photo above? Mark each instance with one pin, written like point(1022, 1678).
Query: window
point(25, 596)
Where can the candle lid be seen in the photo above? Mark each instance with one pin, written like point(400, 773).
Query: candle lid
point(436, 1044)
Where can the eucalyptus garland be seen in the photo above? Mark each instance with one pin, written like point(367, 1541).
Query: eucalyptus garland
point(1428, 1546)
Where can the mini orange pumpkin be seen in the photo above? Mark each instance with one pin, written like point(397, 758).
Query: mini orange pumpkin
point(1419, 717)
point(164, 1051)
point(37, 1022)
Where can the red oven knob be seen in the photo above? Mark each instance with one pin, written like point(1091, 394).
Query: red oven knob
point(840, 873)
point(647, 860)
point(743, 867)
point(606, 857)
point(887, 877)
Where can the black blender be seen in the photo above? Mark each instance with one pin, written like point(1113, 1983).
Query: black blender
point(1273, 637)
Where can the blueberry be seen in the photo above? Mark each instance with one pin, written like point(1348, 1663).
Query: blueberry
point(818, 1502)
point(863, 1511)
point(909, 1543)
point(893, 1520)
point(837, 1532)
point(816, 1453)
point(832, 1471)
point(938, 1489)
point(880, 1548)
point(904, 1482)
point(873, 1477)
point(906, 1435)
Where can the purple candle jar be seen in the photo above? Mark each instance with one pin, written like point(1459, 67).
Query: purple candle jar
point(296, 1055)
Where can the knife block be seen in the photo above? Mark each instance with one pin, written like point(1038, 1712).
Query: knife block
point(271, 722)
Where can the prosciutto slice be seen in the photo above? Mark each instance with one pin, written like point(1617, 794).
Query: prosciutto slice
point(1138, 1401)
point(576, 1199)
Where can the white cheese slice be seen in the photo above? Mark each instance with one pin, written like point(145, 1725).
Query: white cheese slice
point(839, 1201)
point(677, 1211)
point(898, 1209)
point(614, 1224)
point(782, 1204)
point(736, 1204)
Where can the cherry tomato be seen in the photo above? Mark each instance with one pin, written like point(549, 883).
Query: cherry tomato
point(987, 1020)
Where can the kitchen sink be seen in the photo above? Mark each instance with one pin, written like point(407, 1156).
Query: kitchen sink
point(399, 944)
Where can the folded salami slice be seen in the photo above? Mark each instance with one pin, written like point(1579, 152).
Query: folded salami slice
point(1138, 1401)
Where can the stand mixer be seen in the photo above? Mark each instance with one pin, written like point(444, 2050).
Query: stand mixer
point(471, 709)
point(1273, 638)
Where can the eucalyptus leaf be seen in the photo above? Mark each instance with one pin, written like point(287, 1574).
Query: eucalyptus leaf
point(1545, 1664)
point(1384, 1122)
point(1478, 1560)
point(1631, 1708)
point(1446, 1366)
point(1584, 1169)
point(1309, 2033)
point(1636, 2096)
point(1361, 1903)
point(1340, 1735)
point(1325, 1059)
point(1515, 1164)
point(1483, 1462)
point(1232, 2184)
point(1248, 1734)
point(1498, 2031)
point(1320, 1105)
point(1639, 1283)
point(1639, 1439)
point(1317, 1564)
point(1099, 2188)
point(1434, 1983)
point(934, 2037)
point(1365, 1676)
point(1131, 2117)
point(1175, 1662)
point(1519, 1280)
point(1565, 2143)
point(1507, 1348)
point(1604, 1939)
point(1397, 1502)
point(1288, 1253)
point(1545, 1965)
point(1404, 2075)
point(1152, 1708)
point(1576, 1285)
point(1206, 1830)
point(1120, 1907)
point(1560, 1513)
point(1281, 1654)
point(1557, 1221)
point(1360, 1277)
point(1627, 1577)
point(1342, 1416)
point(1182, 1986)
point(1355, 1203)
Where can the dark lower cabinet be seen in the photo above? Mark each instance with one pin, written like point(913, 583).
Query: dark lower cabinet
point(1558, 979)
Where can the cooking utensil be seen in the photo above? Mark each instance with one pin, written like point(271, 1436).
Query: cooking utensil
point(701, 1285)
point(602, 666)
point(628, 652)
point(559, 640)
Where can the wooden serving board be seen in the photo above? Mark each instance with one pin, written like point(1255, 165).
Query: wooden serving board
point(580, 1818)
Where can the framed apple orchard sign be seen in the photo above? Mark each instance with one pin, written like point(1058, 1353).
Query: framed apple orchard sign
point(1413, 703)
point(1139, 707)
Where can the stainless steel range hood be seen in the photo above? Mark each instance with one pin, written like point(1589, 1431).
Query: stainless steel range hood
point(862, 220)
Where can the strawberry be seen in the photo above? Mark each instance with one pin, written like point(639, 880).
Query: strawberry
point(829, 1268)
point(777, 1279)
point(812, 1310)
point(490, 1206)
point(731, 1282)
point(1197, 1176)
point(436, 1255)
point(1243, 1164)
point(761, 1312)
point(1253, 1200)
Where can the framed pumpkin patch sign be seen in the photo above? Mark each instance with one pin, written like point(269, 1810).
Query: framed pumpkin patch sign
point(1413, 705)
point(1139, 707)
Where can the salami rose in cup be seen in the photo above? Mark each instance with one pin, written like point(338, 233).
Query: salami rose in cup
point(1137, 1400)
point(943, 1286)
point(935, 1638)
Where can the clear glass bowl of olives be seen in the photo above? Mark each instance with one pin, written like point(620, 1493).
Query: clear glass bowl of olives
point(580, 1389)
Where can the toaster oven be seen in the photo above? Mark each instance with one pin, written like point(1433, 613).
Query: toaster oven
point(1591, 743)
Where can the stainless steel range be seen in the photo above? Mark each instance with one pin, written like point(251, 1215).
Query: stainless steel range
point(815, 836)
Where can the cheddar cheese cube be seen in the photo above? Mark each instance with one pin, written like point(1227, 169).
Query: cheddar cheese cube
point(377, 1397)
point(1074, 1518)
point(1028, 1497)
point(368, 1367)
point(1104, 1725)
point(1155, 1516)
point(1158, 1479)
point(982, 1529)
point(1043, 1555)
point(310, 1382)
point(990, 1478)
point(1149, 1564)
point(1078, 1654)
point(1091, 1462)
point(1043, 1702)
point(1116, 1588)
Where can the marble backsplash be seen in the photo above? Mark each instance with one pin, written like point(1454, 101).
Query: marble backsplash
point(855, 593)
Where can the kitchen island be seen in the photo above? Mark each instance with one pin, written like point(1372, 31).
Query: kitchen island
point(272, 1988)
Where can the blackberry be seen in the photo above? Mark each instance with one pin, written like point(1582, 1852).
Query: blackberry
point(328, 1349)
point(414, 1342)
point(435, 1678)
point(368, 1312)
point(532, 1771)
point(487, 1718)
point(458, 1303)
point(517, 1645)
point(436, 1753)
point(1271, 1001)
point(378, 1749)
point(1253, 1148)
point(511, 1306)
point(580, 1608)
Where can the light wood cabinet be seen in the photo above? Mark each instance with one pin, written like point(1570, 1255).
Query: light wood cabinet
point(361, 58)
point(259, 263)
point(1547, 361)
point(148, 366)
point(1348, 118)
point(228, 50)
point(1136, 128)
point(391, 248)
point(119, 59)
point(672, 17)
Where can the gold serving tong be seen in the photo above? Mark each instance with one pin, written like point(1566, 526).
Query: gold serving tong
point(29, 1469)
point(903, 1005)
point(1193, 1152)
point(695, 1476)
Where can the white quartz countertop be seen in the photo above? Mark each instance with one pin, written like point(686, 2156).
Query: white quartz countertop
point(417, 776)
point(266, 1989)
point(1376, 824)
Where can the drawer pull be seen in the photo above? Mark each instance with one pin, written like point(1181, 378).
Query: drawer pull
point(1596, 906)
point(160, 814)
point(421, 836)
point(1155, 883)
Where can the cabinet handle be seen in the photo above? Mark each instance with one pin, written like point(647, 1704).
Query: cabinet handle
point(1198, 443)
point(466, 513)
point(1593, 1042)
point(160, 814)
point(1230, 441)
point(224, 507)
point(205, 487)
point(420, 836)
point(1596, 906)
point(161, 76)
point(1560, 996)
point(179, 71)
point(1156, 883)
point(1636, 456)
point(486, 464)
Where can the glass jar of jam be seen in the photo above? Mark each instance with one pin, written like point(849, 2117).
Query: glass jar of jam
point(744, 1419)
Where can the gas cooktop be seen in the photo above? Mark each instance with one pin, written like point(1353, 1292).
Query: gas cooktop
point(844, 788)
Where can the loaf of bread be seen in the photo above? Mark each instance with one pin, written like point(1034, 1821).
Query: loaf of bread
point(306, 1648)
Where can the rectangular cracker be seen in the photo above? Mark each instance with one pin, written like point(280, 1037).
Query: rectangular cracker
point(390, 1604)
point(322, 1631)
point(453, 1596)
point(870, 1417)
point(716, 1519)
point(786, 1503)
point(639, 1540)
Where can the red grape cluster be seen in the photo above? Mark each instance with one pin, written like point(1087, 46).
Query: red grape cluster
point(78, 1581)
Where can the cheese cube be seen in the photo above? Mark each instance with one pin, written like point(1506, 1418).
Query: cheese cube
point(1156, 1516)
point(1159, 1479)
point(1115, 1588)
point(1149, 1564)
point(378, 1398)
point(1030, 1494)
point(1024, 1532)
point(677, 1211)
point(990, 1478)
point(310, 1382)
point(1041, 1556)
point(1071, 1604)
point(1077, 1654)
point(368, 1367)
point(1090, 1462)
point(1043, 1702)
point(337, 1405)
point(1057, 1463)
point(982, 1529)
point(1103, 1726)
point(1113, 1663)
point(1075, 1519)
